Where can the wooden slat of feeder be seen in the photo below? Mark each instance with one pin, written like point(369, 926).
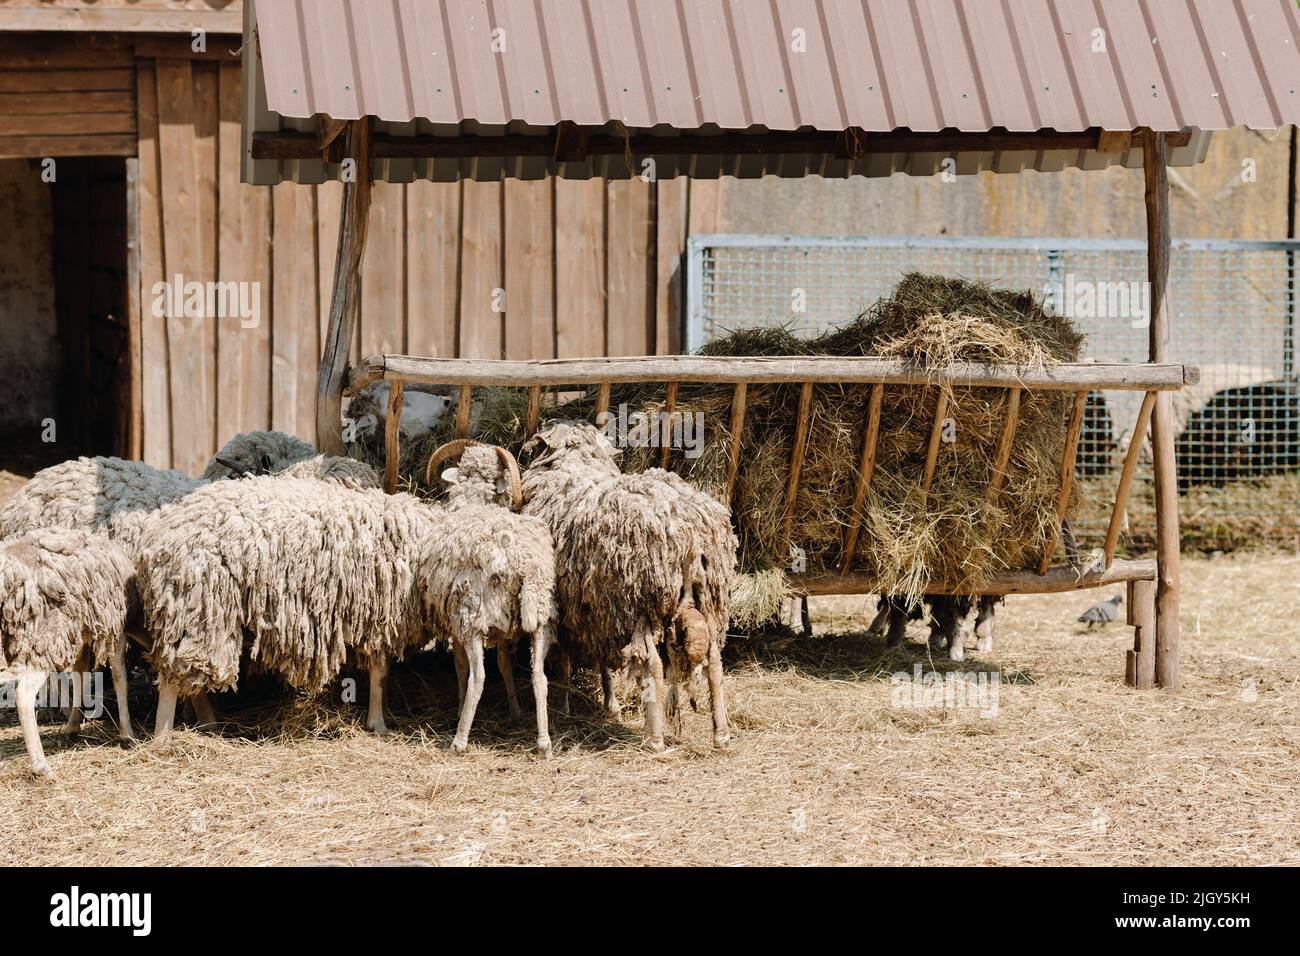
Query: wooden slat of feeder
point(1067, 478)
point(1126, 475)
point(1005, 441)
point(737, 426)
point(796, 458)
point(866, 465)
point(534, 410)
point(1026, 581)
point(392, 436)
point(670, 406)
point(462, 411)
point(602, 400)
point(932, 454)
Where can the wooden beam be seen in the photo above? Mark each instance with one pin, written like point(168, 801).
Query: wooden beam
point(1005, 442)
point(1156, 196)
point(1055, 581)
point(68, 144)
point(733, 369)
point(1126, 475)
point(392, 437)
point(463, 407)
point(1067, 477)
point(1140, 663)
point(351, 249)
point(562, 146)
point(534, 411)
point(670, 406)
point(866, 465)
point(796, 458)
point(738, 397)
point(932, 452)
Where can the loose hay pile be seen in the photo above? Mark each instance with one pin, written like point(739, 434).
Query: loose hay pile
point(957, 535)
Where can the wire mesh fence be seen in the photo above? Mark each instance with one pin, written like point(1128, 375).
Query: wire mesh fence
point(1232, 307)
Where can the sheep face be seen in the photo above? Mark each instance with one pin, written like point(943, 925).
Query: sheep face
point(571, 445)
point(479, 479)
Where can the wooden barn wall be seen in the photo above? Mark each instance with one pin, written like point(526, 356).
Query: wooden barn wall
point(509, 270)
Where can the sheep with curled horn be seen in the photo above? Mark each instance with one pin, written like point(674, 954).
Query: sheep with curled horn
point(644, 565)
point(489, 578)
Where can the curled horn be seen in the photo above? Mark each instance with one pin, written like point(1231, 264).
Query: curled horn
point(512, 472)
point(450, 450)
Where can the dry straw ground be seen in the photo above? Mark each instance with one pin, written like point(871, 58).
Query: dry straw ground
point(825, 768)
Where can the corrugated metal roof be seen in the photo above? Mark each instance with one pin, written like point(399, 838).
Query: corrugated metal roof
point(826, 64)
point(698, 65)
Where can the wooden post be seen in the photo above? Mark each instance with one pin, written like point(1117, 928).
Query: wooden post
point(463, 406)
point(393, 435)
point(534, 410)
point(866, 465)
point(932, 453)
point(1067, 477)
point(1005, 442)
point(602, 402)
point(1140, 663)
point(135, 335)
point(796, 459)
point(1126, 476)
point(332, 374)
point(1162, 422)
point(737, 426)
point(670, 406)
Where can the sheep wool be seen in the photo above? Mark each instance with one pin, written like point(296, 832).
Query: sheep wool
point(339, 469)
point(305, 568)
point(61, 591)
point(254, 450)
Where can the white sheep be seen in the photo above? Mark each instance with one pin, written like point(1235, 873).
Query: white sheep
point(63, 600)
point(642, 561)
point(489, 578)
point(299, 572)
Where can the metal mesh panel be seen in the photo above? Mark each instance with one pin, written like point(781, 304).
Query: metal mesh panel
point(1232, 303)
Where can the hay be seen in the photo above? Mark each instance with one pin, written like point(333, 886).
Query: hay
point(959, 535)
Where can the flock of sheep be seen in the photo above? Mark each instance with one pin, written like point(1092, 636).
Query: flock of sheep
point(285, 561)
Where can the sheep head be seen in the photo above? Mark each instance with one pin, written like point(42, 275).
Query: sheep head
point(487, 474)
point(575, 445)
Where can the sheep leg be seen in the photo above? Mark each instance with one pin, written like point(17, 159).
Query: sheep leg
point(717, 698)
point(566, 675)
point(462, 672)
point(984, 625)
point(506, 664)
point(612, 706)
point(29, 685)
point(473, 690)
point(118, 667)
point(75, 714)
point(877, 626)
point(541, 644)
point(203, 711)
point(652, 682)
point(162, 728)
point(897, 623)
point(375, 713)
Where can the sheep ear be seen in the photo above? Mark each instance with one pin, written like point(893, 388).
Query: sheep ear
point(502, 486)
point(450, 475)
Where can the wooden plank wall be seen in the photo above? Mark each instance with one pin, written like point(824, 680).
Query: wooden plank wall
point(509, 270)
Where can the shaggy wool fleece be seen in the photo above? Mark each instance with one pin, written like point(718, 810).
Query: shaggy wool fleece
point(271, 451)
point(60, 591)
point(631, 550)
point(491, 572)
point(347, 472)
point(298, 570)
point(108, 495)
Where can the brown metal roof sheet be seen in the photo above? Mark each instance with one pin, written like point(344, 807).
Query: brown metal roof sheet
point(877, 64)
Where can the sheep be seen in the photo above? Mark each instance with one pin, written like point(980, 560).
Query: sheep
point(63, 599)
point(489, 579)
point(250, 451)
point(949, 621)
point(300, 571)
point(641, 561)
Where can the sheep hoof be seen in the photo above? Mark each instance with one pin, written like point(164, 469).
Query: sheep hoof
point(722, 741)
point(544, 749)
point(984, 645)
point(44, 770)
point(956, 652)
point(459, 746)
point(656, 744)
